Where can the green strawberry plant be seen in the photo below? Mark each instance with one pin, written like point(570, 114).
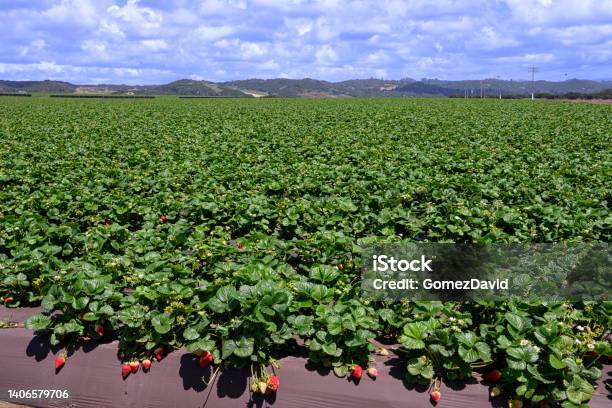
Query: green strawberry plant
point(232, 227)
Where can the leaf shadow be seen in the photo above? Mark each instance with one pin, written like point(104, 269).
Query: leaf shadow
point(192, 374)
point(319, 368)
point(456, 385)
point(397, 370)
point(258, 400)
point(232, 382)
point(39, 347)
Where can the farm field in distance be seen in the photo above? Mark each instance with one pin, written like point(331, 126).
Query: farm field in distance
point(231, 227)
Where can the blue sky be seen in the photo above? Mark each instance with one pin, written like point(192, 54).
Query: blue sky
point(145, 42)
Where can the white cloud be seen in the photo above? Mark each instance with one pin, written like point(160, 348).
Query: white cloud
point(132, 72)
point(112, 30)
point(220, 6)
point(32, 48)
point(94, 47)
point(154, 44)
point(269, 65)
point(250, 50)
point(300, 26)
point(49, 66)
point(332, 39)
point(446, 25)
point(84, 74)
point(526, 59)
point(227, 43)
point(541, 57)
point(489, 39)
point(558, 11)
point(139, 18)
point(211, 33)
point(377, 58)
point(583, 34)
point(326, 55)
point(80, 12)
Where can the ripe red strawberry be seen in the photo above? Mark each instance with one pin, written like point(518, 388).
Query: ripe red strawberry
point(159, 353)
point(163, 218)
point(134, 365)
point(99, 330)
point(493, 375)
point(146, 364)
point(357, 372)
point(435, 395)
point(240, 245)
point(273, 383)
point(372, 372)
point(8, 299)
point(340, 266)
point(60, 361)
point(206, 359)
point(125, 369)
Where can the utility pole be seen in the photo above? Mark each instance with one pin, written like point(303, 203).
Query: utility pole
point(481, 89)
point(532, 70)
point(499, 86)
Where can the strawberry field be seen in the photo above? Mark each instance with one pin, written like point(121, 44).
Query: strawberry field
point(233, 228)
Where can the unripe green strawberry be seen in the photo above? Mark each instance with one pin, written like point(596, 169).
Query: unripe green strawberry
point(496, 391)
point(515, 403)
point(372, 372)
point(262, 386)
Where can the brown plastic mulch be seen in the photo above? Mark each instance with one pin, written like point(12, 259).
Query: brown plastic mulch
point(92, 376)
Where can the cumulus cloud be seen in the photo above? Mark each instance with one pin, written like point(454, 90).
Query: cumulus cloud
point(326, 55)
point(138, 41)
point(154, 44)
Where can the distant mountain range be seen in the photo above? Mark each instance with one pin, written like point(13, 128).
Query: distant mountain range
point(315, 88)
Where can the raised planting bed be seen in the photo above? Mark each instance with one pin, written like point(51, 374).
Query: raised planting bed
point(92, 376)
point(103, 96)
